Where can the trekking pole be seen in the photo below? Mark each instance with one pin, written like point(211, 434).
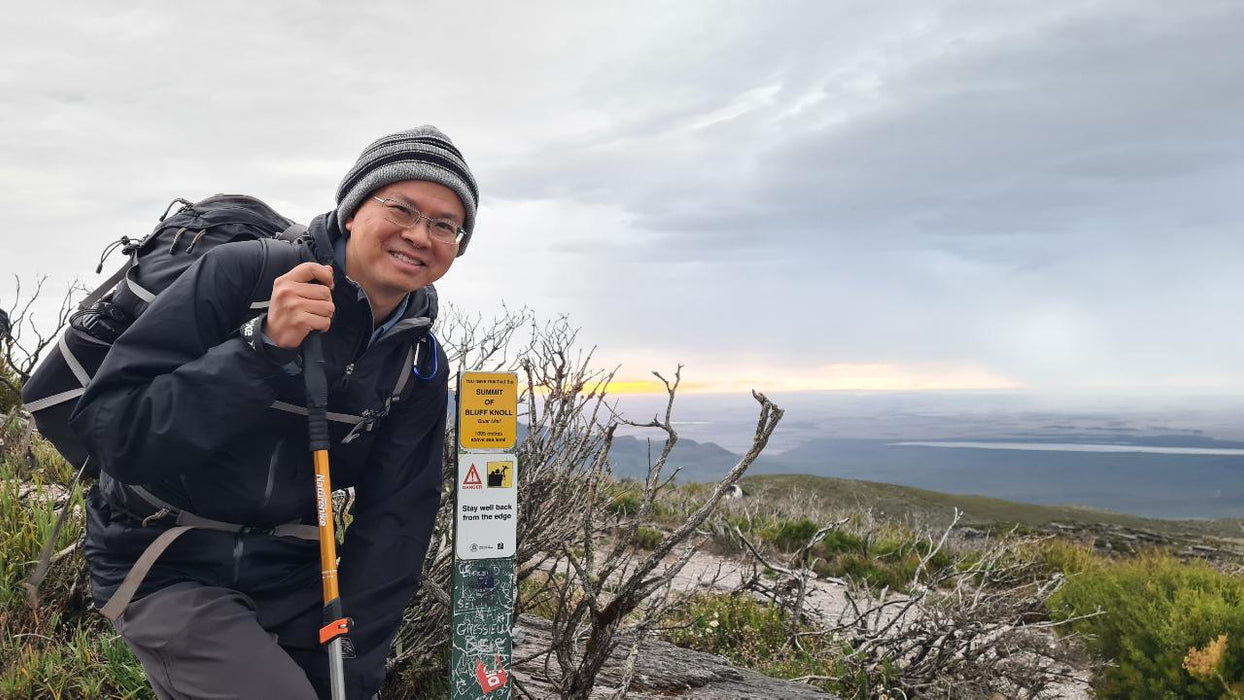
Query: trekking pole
point(336, 624)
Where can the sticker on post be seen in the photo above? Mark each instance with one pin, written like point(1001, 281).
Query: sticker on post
point(490, 680)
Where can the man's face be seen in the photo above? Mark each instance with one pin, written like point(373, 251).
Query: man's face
point(387, 260)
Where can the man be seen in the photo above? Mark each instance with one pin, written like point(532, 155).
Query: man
point(195, 411)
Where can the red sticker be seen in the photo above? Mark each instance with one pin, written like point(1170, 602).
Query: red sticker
point(490, 680)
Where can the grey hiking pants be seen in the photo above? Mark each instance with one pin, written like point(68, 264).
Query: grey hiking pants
point(199, 641)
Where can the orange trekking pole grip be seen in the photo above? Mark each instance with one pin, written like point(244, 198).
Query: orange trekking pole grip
point(336, 624)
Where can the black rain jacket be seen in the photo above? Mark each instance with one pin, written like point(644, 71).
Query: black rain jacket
point(183, 407)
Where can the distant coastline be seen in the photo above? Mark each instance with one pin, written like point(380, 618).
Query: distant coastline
point(1074, 447)
point(1157, 458)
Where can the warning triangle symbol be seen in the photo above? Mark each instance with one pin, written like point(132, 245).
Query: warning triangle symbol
point(472, 477)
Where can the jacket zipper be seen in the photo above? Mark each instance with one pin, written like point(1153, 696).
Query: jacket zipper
point(272, 462)
point(237, 556)
point(344, 382)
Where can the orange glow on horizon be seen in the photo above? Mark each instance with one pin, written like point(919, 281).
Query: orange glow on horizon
point(648, 386)
point(834, 377)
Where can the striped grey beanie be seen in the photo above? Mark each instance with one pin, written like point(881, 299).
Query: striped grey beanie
point(422, 153)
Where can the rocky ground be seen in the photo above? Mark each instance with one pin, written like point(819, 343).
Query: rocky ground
point(661, 670)
point(1110, 539)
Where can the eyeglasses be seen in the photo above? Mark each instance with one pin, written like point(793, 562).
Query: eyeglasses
point(440, 230)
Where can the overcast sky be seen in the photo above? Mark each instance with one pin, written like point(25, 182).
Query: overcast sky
point(783, 194)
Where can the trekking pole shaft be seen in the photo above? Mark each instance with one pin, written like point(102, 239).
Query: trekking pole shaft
point(335, 622)
point(328, 570)
point(336, 670)
point(328, 537)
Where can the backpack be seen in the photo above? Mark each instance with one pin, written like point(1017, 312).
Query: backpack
point(53, 389)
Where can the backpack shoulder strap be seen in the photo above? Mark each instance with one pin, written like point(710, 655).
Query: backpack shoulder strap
point(106, 286)
point(293, 233)
point(281, 254)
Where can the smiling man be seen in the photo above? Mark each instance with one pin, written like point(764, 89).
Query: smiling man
point(196, 418)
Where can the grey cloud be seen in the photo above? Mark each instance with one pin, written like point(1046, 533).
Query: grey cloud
point(1019, 130)
point(798, 182)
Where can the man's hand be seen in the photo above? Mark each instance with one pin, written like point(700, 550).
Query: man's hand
point(302, 301)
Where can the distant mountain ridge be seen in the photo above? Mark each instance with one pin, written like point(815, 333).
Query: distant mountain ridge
point(698, 461)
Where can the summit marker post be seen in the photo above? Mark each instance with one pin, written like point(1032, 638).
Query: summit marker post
point(485, 536)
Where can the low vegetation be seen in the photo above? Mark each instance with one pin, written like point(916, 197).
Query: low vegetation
point(1151, 621)
point(1173, 628)
point(756, 635)
point(62, 649)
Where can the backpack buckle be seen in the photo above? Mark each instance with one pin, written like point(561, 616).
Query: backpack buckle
point(156, 516)
point(370, 416)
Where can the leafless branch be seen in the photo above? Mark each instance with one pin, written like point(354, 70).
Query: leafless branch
point(975, 628)
point(26, 338)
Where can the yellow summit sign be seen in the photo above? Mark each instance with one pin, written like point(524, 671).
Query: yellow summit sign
point(488, 410)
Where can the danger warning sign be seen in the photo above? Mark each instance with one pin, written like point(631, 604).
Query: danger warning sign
point(487, 511)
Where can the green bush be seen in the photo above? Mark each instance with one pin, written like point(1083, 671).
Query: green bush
point(647, 538)
point(1063, 555)
point(837, 541)
point(890, 561)
point(750, 634)
point(27, 516)
point(756, 524)
point(10, 396)
point(625, 504)
point(888, 556)
point(790, 535)
point(1156, 610)
point(877, 573)
point(755, 635)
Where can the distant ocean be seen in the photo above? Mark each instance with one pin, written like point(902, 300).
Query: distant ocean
point(1153, 481)
point(1163, 458)
point(1077, 447)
